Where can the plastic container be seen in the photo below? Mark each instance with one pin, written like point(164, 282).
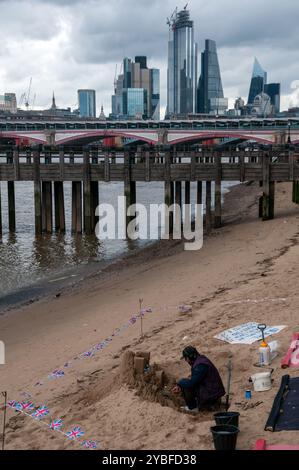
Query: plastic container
point(229, 417)
point(225, 437)
point(264, 354)
point(262, 381)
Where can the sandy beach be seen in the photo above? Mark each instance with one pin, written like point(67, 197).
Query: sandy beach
point(246, 271)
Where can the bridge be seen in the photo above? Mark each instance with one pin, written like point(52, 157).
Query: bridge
point(57, 132)
point(177, 169)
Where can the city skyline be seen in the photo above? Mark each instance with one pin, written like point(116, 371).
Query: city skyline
point(66, 48)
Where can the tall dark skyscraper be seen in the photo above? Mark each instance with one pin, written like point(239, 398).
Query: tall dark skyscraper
point(210, 98)
point(182, 65)
point(273, 90)
point(258, 81)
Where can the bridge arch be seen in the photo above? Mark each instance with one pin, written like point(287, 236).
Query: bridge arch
point(266, 139)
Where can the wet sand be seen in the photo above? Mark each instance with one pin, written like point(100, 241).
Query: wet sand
point(241, 274)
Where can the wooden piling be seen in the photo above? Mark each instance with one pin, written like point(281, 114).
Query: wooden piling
point(76, 207)
point(217, 216)
point(129, 186)
point(37, 194)
point(187, 208)
point(11, 206)
point(208, 206)
point(178, 209)
point(59, 206)
point(0, 214)
point(47, 207)
point(268, 190)
point(168, 194)
point(94, 186)
point(87, 202)
point(199, 192)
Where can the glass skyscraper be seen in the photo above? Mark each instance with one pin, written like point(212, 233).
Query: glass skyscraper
point(135, 102)
point(258, 81)
point(182, 65)
point(273, 90)
point(137, 76)
point(210, 98)
point(87, 103)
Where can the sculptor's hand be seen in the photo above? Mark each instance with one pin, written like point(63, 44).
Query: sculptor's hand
point(176, 389)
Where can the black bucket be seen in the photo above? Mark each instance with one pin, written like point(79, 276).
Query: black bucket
point(225, 437)
point(229, 417)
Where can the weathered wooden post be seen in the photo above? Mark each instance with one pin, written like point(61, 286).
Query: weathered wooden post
point(178, 209)
point(77, 207)
point(94, 186)
point(199, 192)
point(37, 193)
point(208, 206)
point(268, 189)
point(168, 194)
point(0, 214)
point(217, 217)
point(59, 206)
point(87, 205)
point(129, 186)
point(47, 207)
point(11, 197)
point(59, 197)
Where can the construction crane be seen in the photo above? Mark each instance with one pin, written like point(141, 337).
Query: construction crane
point(115, 79)
point(22, 99)
point(171, 20)
point(27, 98)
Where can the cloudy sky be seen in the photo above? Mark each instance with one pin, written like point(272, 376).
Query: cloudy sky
point(69, 44)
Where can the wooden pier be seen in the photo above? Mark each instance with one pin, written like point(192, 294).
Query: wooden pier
point(87, 168)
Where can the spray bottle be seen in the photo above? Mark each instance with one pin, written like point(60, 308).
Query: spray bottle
point(264, 349)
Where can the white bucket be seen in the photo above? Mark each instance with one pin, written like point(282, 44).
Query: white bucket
point(262, 381)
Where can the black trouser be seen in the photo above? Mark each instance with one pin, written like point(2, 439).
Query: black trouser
point(190, 398)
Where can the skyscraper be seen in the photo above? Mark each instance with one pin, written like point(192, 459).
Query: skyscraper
point(8, 102)
point(210, 98)
point(137, 76)
point(273, 90)
point(87, 103)
point(182, 65)
point(258, 81)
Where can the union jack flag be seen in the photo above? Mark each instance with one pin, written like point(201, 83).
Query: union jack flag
point(40, 413)
point(26, 406)
point(75, 433)
point(56, 424)
point(56, 374)
point(90, 444)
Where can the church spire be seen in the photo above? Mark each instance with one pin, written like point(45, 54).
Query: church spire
point(53, 107)
point(102, 115)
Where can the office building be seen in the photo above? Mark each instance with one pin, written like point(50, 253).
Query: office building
point(258, 81)
point(137, 76)
point(273, 90)
point(8, 103)
point(210, 98)
point(182, 65)
point(87, 103)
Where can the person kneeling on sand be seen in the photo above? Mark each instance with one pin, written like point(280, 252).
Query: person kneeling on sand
point(204, 389)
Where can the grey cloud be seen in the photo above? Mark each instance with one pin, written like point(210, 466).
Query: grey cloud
point(99, 33)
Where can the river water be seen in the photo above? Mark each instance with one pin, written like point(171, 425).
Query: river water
point(25, 259)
